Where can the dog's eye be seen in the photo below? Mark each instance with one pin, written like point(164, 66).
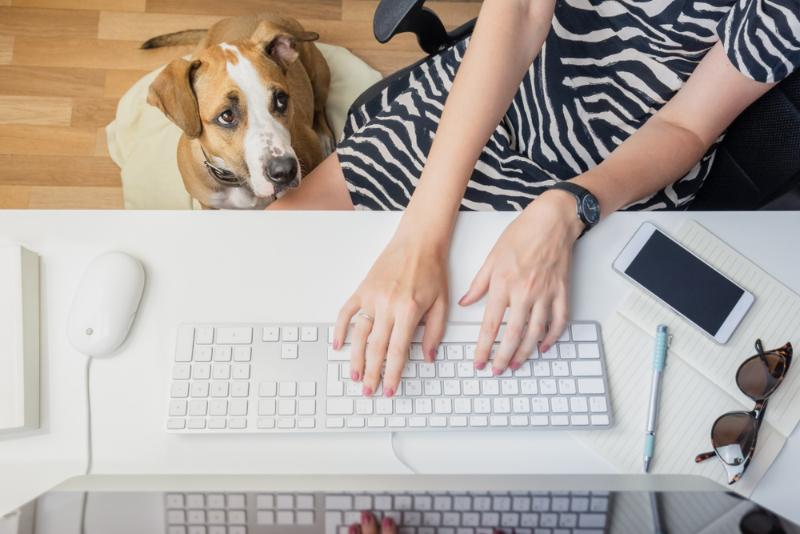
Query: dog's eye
point(226, 118)
point(280, 101)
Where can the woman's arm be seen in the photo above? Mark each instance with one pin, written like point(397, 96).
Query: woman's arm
point(677, 136)
point(409, 280)
point(528, 269)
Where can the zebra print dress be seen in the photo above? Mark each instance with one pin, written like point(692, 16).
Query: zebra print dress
point(605, 68)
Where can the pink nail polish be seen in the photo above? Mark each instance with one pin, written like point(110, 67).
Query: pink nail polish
point(389, 393)
point(367, 391)
point(432, 354)
point(480, 365)
point(335, 344)
point(353, 529)
point(355, 376)
point(366, 517)
point(496, 371)
point(514, 365)
point(387, 522)
point(544, 348)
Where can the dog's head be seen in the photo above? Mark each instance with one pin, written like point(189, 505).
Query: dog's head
point(236, 100)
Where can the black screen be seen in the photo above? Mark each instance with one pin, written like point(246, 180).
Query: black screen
point(684, 282)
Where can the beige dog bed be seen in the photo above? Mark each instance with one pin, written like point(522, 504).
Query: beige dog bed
point(143, 142)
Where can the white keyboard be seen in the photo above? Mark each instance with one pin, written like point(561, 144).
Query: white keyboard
point(287, 378)
point(415, 513)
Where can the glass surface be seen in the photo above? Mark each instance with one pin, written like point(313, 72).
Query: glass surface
point(684, 282)
point(248, 512)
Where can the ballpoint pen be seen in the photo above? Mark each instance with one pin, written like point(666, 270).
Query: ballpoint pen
point(659, 360)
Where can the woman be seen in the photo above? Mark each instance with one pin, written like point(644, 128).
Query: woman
point(625, 100)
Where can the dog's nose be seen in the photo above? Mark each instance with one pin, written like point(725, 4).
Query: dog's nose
point(282, 170)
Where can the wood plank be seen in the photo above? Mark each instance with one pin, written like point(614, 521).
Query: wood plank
point(47, 198)
point(48, 170)
point(5, 2)
point(43, 110)
point(143, 26)
point(42, 140)
point(14, 197)
point(453, 14)
point(91, 53)
point(119, 81)
point(48, 22)
point(44, 81)
point(321, 9)
point(101, 143)
point(91, 5)
point(93, 112)
point(6, 49)
point(387, 62)
point(354, 34)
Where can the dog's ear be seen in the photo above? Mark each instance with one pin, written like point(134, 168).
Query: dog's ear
point(172, 93)
point(280, 44)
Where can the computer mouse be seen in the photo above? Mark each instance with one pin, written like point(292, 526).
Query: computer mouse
point(105, 304)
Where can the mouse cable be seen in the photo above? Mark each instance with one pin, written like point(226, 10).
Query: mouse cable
point(397, 455)
point(89, 451)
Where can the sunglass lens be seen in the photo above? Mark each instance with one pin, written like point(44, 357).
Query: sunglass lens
point(733, 437)
point(760, 375)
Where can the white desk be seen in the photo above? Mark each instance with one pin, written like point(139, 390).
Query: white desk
point(251, 267)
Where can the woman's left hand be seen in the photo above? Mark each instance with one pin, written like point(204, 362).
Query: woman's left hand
point(527, 272)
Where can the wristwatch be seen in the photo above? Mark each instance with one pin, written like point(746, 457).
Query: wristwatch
point(588, 207)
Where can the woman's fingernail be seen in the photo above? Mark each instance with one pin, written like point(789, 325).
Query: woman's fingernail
point(355, 376)
point(480, 365)
point(514, 365)
point(432, 354)
point(544, 348)
point(461, 300)
point(496, 371)
point(366, 517)
point(389, 393)
point(352, 530)
point(335, 344)
point(367, 391)
point(387, 522)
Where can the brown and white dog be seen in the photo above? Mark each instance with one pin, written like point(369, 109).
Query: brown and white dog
point(251, 104)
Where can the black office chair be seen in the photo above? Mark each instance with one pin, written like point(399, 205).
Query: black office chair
point(757, 166)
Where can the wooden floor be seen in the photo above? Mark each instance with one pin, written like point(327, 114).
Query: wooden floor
point(65, 63)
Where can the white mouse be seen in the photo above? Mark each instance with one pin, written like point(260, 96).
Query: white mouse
point(105, 304)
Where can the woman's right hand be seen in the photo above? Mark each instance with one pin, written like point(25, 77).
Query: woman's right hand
point(370, 525)
point(406, 285)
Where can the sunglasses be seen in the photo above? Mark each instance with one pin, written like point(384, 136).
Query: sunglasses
point(734, 434)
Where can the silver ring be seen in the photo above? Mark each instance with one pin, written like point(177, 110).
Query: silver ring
point(366, 316)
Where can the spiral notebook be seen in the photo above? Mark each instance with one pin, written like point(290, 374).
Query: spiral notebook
point(699, 383)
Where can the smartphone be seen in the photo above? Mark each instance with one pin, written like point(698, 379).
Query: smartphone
point(691, 287)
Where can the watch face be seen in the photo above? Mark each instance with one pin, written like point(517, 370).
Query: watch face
point(591, 209)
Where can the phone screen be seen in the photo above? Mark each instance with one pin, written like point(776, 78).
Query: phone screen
point(686, 283)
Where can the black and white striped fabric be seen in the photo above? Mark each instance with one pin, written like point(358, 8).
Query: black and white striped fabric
point(606, 67)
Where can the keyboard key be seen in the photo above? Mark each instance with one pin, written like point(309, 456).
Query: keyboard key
point(341, 355)
point(267, 407)
point(237, 423)
point(177, 407)
point(286, 407)
point(240, 371)
point(334, 422)
point(222, 354)
point(238, 407)
point(264, 517)
point(220, 371)
point(307, 407)
point(202, 354)
point(287, 389)
point(270, 333)
point(588, 350)
point(234, 335)
point(179, 390)
point(591, 386)
point(218, 407)
point(204, 335)
point(567, 351)
point(199, 389)
point(290, 333)
point(181, 371)
point(267, 389)
point(308, 333)
point(586, 368)
point(289, 351)
point(307, 389)
point(343, 406)
point(240, 389)
point(219, 389)
point(198, 407)
point(598, 404)
point(176, 424)
point(584, 332)
point(454, 352)
point(578, 404)
point(242, 354)
point(600, 420)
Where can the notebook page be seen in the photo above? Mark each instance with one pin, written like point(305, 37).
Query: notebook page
point(774, 317)
point(689, 405)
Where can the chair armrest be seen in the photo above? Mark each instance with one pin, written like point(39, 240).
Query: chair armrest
point(398, 16)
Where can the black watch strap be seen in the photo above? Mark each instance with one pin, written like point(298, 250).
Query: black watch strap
point(587, 206)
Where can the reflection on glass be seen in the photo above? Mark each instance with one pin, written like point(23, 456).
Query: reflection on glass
point(272, 512)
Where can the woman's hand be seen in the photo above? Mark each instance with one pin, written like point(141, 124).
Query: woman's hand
point(369, 525)
point(407, 283)
point(527, 272)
